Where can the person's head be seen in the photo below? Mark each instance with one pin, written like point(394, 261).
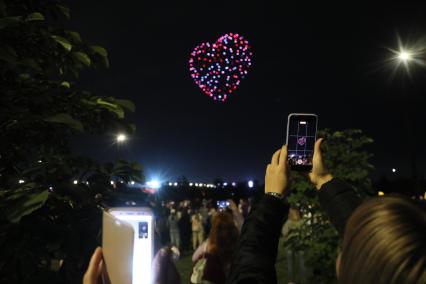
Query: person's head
point(223, 235)
point(384, 242)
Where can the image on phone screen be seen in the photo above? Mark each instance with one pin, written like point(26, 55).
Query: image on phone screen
point(222, 204)
point(301, 136)
point(143, 230)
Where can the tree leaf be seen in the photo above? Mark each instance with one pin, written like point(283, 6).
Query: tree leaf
point(64, 10)
point(8, 54)
point(62, 41)
point(36, 16)
point(66, 84)
point(75, 36)
point(24, 205)
point(129, 105)
point(10, 22)
point(31, 63)
point(82, 57)
point(111, 107)
point(67, 119)
point(99, 50)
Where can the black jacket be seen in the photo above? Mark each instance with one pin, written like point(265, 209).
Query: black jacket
point(254, 261)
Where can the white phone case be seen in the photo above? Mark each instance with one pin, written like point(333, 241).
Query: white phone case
point(117, 246)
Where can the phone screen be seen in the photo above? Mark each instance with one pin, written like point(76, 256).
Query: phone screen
point(142, 223)
point(301, 136)
point(222, 204)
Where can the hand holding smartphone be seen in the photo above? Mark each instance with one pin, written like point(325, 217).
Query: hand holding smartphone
point(301, 137)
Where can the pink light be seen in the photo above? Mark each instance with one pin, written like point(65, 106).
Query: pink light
point(219, 67)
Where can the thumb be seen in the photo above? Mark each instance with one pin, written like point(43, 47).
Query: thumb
point(93, 271)
point(317, 148)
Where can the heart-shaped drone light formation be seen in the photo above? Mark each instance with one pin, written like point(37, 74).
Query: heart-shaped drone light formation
point(218, 68)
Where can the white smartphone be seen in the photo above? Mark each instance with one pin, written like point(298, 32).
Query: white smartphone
point(117, 246)
point(301, 137)
point(142, 221)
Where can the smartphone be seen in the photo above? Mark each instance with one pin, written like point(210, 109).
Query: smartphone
point(222, 204)
point(117, 247)
point(142, 221)
point(301, 137)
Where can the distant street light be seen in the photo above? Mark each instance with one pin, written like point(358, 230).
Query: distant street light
point(121, 138)
point(250, 184)
point(394, 170)
point(75, 181)
point(21, 181)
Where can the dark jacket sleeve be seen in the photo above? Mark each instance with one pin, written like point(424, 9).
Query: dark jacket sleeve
point(254, 259)
point(338, 200)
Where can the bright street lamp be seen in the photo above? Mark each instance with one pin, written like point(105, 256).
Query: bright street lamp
point(405, 56)
point(155, 184)
point(121, 138)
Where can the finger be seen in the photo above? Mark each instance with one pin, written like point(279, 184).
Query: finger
point(275, 158)
point(93, 269)
point(105, 277)
point(317, 148)
point(99, 273)
point(283, 156)
point(268, 168)
point(100, 268)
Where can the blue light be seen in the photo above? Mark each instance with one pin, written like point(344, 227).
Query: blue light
point(155, 184)
point(250, 184)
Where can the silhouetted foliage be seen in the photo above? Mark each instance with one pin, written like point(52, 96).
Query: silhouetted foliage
point(49, 225)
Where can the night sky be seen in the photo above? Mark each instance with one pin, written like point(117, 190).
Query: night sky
point(329, 60)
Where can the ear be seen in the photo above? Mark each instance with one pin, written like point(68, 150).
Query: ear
point(338, 264)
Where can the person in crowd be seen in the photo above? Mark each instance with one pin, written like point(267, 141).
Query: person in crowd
point(218, 248)
point(161, 226)
point(204, 211)
point(185, 230)
point(236, 214)
point(295, 263)
point(383, 238)
point(244, 207)
point(212, 213)
point(164, 268)
point(197, 230)
point(174, 230)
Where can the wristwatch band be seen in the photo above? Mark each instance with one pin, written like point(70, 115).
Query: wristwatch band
point(277, 195)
